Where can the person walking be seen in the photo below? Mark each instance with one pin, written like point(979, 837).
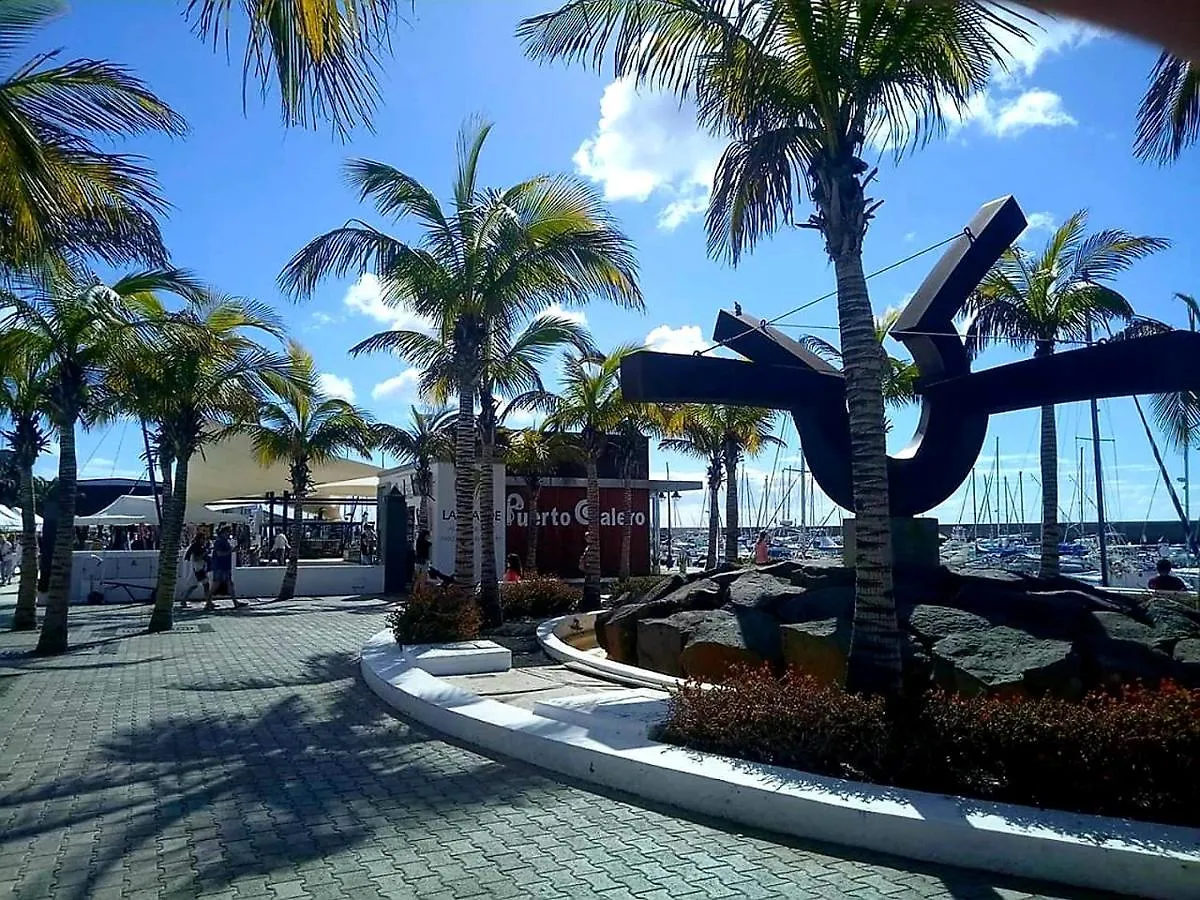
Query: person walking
point(762, 549)
point(222, 567)
point(197, 557)
point(8, 559)
point(513, 570)
point(421, 557)
point(280, 548)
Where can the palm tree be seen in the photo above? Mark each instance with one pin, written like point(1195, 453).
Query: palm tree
point(192, 373)
point(426, 439)
point(1168, 119)
point(74, 329)
point(476, 274)
point(25, 382)
point(697, 431)
point(589, 401)
point(747, 432)
point(322, 55)
point(799, 88)
point(638, 421)
point(302, 428)
point(1049, 298)
point(531, 455)
point(59, 192)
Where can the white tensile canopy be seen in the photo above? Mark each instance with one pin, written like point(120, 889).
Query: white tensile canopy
point(228, 470)
point(135, 510)
point(10, 518)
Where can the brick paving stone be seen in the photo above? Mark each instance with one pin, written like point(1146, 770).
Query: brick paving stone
point(250, 761)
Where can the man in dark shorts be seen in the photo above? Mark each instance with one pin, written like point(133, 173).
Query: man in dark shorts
point(1164, 580)
point(222, 567)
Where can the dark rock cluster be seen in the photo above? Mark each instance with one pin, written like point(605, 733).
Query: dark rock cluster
point(966, 631)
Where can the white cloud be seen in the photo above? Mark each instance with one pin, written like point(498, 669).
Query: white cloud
point(684, 339)
point(910, 236)
point(404, 383)
point(321, 318)
point(578, 316)
point(1032, 109)
point(336, 386)
point(648, 144)
point(1048, 36)
point(365, 296)
point(1039, 221)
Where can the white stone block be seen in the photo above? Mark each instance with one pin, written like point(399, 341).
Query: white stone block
point(633, 712)
point(461, 658)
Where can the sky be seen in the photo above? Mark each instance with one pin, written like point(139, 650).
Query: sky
point(1055, 131)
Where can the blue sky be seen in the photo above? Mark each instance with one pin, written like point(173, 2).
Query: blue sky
point(1055, 132)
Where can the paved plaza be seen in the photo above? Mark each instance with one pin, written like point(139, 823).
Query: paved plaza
point(241, 756)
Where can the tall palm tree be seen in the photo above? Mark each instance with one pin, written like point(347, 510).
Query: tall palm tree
point(638, 421)
point(532, 454)
point(1168, 119)
point(498, 258)
point(192, 373)
point(697, 430)
point(589, 401)
point(321, 55)
point(799, 87)
point(301, 427)
point(25, 382)
point(426, 439)
point(1045, 299)
point(75, 328)
point(60, 193)
point(747, 432)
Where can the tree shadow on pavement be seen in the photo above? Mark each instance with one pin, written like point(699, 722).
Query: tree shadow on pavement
point(307, 777)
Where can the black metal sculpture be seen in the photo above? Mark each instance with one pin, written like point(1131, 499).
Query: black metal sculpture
point(955, 402)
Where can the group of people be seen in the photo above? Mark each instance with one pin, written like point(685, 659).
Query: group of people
point(10, 557)
point(211, 566)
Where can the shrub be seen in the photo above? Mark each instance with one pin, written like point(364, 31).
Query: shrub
point(538, 597)
point(1132, 754)
point(436, 614)
point(637, 585)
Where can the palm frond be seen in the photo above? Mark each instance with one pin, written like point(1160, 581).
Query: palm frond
point(1168, 119)
point(321, 55)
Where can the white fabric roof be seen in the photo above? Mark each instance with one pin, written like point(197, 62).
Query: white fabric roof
point(10, 518)
point(135, 510)
point(228, 470)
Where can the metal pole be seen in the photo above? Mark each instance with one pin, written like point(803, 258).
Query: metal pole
point(1100, 525)
point(670, 554)
point(997, 486)
point(803, 494)
point(974, 506)
point(1007, 509)
point(1021, 494)
point(154, 482)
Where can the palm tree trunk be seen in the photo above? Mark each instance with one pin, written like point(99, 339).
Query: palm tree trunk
point(535, 491)
point(53, 638)
point(464, 487)
point(489, 579)
point(874, 659)
point(627, 528)
point(591, 552)
point(25, 615)
point(287, 587)
point(1051, 533)
point(731, 503)
point(170, 537)
point(714, 520)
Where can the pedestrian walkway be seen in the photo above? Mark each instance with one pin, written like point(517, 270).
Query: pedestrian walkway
point(241, 756)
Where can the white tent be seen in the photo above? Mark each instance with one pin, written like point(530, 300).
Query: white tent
point(10, 519)
point(227, 470)
point(135, 510)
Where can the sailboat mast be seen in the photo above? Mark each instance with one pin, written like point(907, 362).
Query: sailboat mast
point(1021, 497)
point(1096, 460)
point(997, 486)
point(974, 506)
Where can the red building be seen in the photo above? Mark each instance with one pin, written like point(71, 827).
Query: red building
point(562, 515)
